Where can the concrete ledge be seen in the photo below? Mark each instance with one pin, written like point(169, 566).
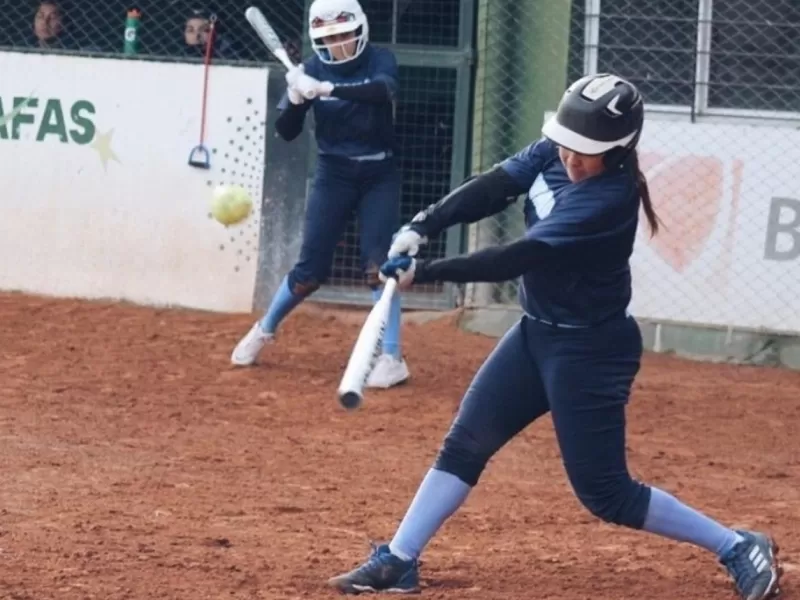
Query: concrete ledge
point(691, 341)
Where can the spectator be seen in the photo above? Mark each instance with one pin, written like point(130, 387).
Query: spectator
point(48, 26)
point(196, 30)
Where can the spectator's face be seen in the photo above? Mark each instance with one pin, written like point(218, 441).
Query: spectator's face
point(47, 22)
point(196, 31)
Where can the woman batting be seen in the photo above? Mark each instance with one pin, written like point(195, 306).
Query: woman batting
point(576, 350)
point(354, 85)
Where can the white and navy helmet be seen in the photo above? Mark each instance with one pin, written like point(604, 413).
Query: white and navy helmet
point(333, 17)
point(598, 114)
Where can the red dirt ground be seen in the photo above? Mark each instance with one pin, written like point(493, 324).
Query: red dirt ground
point(137, 464)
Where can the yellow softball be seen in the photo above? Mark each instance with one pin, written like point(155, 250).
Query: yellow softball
point(230, 204)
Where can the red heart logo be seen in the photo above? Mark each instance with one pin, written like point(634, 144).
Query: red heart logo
point(687, 193)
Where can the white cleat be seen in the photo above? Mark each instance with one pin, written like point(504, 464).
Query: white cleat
point(388, 372)
point(249, 347)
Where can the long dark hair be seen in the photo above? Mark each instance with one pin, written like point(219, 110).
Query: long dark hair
point(644, 193)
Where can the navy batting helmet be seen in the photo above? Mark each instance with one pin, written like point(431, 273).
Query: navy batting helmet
point(598, 114)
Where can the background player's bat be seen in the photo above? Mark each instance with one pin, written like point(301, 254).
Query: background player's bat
point(366, 350)
point(270, 39)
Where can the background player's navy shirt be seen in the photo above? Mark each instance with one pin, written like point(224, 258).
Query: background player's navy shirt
point(349, 128)
point(591, 228)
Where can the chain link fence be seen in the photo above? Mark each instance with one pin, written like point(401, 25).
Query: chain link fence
point(721, 81)
point(164, 29)
point(178, 30)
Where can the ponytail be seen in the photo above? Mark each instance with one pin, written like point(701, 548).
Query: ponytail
point(644, 195)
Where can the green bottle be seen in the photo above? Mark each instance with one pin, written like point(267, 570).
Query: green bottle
point(132, 32)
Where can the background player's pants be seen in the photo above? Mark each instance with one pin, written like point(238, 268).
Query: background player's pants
point(583, 377)
point(342, 187)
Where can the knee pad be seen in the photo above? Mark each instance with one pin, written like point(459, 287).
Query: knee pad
point(619, 500)
point(462, 455)
point(371, 277)
point(301, 288)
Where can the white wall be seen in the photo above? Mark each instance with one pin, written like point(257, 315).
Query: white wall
point(100, 201)
point(730, 252)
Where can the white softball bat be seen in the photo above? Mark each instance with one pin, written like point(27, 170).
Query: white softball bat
point(366, 349)
point(271, 40)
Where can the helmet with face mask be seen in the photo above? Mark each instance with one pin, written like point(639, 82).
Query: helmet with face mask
point(598, 114)
point(336, 17)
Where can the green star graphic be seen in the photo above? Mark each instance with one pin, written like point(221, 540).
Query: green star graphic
point(102, 145)
point(4, 119)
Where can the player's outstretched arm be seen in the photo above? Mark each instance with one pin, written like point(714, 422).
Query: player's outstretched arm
point(488, 193)
point(494, 264)
point(380, 89)
point(477, 198)
point(372, 92)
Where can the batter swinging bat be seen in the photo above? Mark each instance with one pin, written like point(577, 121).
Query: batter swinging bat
point(366, 350)
point(270, 39)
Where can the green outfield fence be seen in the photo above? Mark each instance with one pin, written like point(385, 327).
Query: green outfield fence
point(477, 78)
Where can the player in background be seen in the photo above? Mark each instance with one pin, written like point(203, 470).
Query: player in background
point(576, 350)
point(354, 84)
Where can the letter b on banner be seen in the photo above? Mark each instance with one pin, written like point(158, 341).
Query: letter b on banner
point(783, 230)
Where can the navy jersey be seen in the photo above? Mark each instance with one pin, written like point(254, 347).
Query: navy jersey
point(354, 128)
point(590, 227)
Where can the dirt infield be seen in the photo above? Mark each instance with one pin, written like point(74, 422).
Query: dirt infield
point(137, 464)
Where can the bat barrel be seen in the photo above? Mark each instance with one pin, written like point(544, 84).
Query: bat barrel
point(366, 350)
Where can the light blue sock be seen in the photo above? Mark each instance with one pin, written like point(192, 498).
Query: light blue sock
point(439, 496)
point(282, 304)
point(391, 339)
point(669, 517)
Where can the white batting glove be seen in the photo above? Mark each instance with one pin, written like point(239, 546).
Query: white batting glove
point(293, 74)
point(325, 88)
point(295, 97)
point(307, 86)
point(406, 241)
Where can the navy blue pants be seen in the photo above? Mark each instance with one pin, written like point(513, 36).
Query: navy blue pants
point(370, 189)
point(583, 377)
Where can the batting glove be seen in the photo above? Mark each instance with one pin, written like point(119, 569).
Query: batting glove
point(406, 241)
point(295, 97)
point(307, 86)
point(325, 88)
point(293, 74)
point(401, 268)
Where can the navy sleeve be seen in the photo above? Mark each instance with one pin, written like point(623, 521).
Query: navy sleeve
point(382, 86)
point(479, 197)
point(387, 71)
point(497, 263)
point(289, 123)
point(526, 164)
point(374, 92)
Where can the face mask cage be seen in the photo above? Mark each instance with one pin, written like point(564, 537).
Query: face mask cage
point(328, 25)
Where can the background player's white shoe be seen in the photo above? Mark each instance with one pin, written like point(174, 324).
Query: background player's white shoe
point(249, 347)
point(389, 371)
